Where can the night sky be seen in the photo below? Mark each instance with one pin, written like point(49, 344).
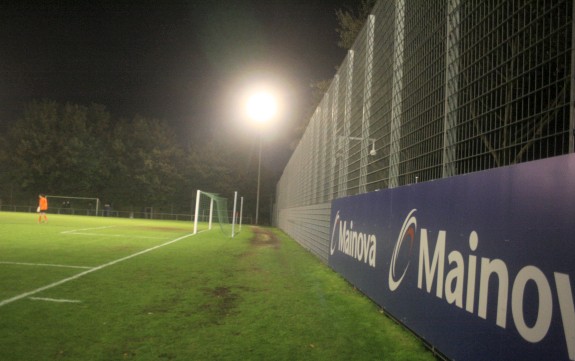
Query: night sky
point(182, 61)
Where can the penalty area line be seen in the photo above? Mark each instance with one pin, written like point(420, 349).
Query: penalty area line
point(97, 268)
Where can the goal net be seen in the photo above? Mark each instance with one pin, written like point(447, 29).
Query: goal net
point(73, 205)
point(213, 209)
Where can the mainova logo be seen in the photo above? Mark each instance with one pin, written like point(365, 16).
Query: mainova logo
point(408, 230)
point(454, 278)
point(354, 243)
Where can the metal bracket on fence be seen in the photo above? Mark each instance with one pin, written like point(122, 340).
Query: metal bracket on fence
point(372, 152)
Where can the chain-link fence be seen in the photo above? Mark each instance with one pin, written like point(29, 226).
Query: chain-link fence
point(433, 89)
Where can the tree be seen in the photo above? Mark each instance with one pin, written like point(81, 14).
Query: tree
point(220, 167)
point(351, 22)
point(144, 167)
point(54, 149)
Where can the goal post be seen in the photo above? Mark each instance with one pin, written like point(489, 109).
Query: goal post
point(80, 205)
point(202, 199)
point(210, 205)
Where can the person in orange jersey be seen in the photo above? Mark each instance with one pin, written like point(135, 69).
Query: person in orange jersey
point(42, 208)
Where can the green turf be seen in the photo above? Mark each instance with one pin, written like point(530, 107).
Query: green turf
point(204, 297)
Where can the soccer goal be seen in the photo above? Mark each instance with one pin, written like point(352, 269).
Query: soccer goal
point(210, 205)
point(73, 205)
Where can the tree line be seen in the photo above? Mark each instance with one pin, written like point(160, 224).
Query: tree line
point(84, 151)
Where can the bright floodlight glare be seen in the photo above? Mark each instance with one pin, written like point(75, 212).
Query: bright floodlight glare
point(261, 107)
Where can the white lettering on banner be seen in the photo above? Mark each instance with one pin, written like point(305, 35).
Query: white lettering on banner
point(432, 273)
point(565, 295)
point(359, 245)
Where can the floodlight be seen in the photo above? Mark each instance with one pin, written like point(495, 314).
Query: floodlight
point(261, 107)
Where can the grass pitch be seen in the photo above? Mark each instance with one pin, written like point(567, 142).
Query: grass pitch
point(93, 288)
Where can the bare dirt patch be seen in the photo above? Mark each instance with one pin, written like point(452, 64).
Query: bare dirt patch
point(221, 305)
point(264, 238)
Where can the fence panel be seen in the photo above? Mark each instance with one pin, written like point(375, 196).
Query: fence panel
point(434, 89)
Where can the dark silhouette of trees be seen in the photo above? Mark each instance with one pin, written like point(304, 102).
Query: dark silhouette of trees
point(133, 163)
point(350, 22)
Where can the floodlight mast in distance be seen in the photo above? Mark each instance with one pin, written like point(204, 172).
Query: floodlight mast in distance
point(261, 108)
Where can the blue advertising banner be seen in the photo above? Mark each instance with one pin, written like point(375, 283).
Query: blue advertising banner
point(481, 266)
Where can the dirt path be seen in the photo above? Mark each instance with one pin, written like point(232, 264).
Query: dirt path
point(265, 238)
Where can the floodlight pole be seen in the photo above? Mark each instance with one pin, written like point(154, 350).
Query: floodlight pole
point(261, 108)
point(234, 214)
point(259, 175)
point(211, 213)
point(196, 211)
point(241, 211)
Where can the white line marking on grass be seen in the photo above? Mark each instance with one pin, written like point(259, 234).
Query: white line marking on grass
point(53, 300)
point(79, 231)
point(81, 274)
point(44, 265)
point(111, 235)
point(86, 229)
